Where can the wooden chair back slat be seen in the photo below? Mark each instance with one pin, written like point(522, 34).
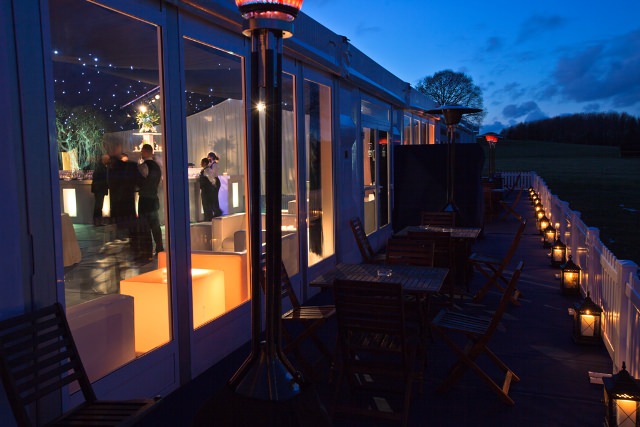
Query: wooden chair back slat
point(410, 252)
point(38, 357)
point(362, 240)
point(374, 345)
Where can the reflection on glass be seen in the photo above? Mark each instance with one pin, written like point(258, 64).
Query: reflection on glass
point(215, 122)
point(317, 110)
point(109, 131)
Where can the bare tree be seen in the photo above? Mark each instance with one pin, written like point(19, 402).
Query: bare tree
point(448, 87)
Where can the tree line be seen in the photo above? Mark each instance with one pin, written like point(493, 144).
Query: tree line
point(610, 129)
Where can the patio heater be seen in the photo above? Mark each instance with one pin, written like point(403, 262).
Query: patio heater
point(492, 139)
point(452, 115)
point(266, 374)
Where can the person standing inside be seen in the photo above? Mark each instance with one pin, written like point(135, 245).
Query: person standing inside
point(100, 188)
point(122, 180)
point(149, 203)
point(213, 165)
point(207, 189)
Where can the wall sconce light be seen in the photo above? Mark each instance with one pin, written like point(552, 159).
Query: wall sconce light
point(587, 322)
point(549, 236)
point(570, 278)
point(621, 397)
point(558, 253)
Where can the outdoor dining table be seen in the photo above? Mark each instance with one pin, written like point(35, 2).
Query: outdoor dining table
point(466, 233)
point(414, 279)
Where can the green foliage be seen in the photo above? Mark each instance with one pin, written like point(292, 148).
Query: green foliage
point(448, 87)
point(147, 119)
point(595, 180)
point(80, 129)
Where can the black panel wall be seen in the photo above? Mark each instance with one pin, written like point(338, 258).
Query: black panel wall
point(420, 183)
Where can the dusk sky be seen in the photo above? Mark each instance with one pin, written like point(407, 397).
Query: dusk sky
point(532, 59)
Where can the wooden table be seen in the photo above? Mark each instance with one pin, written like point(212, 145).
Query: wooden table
point(469, 233)
point(414, 279)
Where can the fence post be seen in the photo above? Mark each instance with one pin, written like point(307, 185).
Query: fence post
point(624, 352)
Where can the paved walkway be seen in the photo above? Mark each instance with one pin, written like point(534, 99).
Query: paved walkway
point(535, 342)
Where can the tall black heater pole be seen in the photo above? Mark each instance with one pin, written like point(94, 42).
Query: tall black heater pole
point(452, 115)
point(266, 374)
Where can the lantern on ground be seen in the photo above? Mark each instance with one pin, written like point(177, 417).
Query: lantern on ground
point(548, 236)
point(542, 223)
point(535, 199)
point(539, 215)
point(570, 278)
point(531, 192)
point(558, 253)
point(587, 322)
point(621, 397)
point(537, 207)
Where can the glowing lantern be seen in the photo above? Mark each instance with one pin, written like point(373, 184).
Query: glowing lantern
point(558, 253)
point(570, 278)
point(621, 397)
point(543, 223)
point(587, 322)
point(548, 236)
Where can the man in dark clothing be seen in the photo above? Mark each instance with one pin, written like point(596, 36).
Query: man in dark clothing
point(100, 187)
point(148, 203)
point(122, 179)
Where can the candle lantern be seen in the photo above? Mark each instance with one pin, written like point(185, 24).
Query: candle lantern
point(538, 206)
point(621, 399)
point(549, 236)
point(542, 224)
point(535, 199)
point(558, 253)
point(539, 215)
point(570, 278)
point(587, 322)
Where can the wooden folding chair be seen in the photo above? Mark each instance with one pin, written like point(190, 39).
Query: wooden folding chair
point(368, 254)
point(478, 330)
point(309, 318)
point(516, 185)
point(443, 219)
point(509, 208)
point(38, 357)
point(377, 351)
point(410, 252)
point(493, 269)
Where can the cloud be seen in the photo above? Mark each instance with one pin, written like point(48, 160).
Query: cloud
point(529, 110)
point(606, 72)
point(493, 44)
point(539, 24)
point(591, 108)
point(363, 30)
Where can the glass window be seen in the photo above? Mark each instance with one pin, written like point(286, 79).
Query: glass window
point(109, 126)
point(319, 171)
point(406, 134)
point(376, 179)
point(215, 123)
point(290, 246)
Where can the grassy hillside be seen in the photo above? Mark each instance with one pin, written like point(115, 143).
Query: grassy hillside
point(595, 181)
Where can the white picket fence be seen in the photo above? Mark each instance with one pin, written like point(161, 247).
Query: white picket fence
point(612, 283)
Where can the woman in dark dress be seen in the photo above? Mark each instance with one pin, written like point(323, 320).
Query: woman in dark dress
point(207, 189)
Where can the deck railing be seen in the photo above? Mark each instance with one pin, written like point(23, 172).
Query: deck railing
point(612, 283)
